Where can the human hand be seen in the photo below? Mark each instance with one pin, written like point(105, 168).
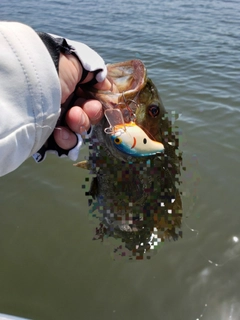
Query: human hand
point(84, 112)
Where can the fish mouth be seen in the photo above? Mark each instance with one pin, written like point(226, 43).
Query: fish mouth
point(128, 78)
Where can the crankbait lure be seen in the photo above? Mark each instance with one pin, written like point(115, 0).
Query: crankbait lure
point(129, 138)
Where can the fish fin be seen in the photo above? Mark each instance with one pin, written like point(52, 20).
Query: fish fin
point(83, 164)
point(94, 188)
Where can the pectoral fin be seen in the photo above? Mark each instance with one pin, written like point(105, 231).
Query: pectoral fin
point(83, 164)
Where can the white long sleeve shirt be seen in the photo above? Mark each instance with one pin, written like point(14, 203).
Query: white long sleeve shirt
point(30, 93)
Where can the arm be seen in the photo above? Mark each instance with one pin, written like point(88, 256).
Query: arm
point(31, 94)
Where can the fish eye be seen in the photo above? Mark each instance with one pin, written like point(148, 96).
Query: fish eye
point(153, 110)
point(117, 140)
point(144, 140)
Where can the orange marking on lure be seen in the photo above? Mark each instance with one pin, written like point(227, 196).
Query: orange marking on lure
point(134, 142)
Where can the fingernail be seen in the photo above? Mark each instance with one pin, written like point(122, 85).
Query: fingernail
point(82, 129)
point(65, 135)
point(96, 116)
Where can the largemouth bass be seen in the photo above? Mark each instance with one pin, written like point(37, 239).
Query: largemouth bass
point(136, 196)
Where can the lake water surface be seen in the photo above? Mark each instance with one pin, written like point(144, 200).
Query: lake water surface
point(49, 266)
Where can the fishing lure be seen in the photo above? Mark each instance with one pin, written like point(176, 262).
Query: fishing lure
point(129, 138)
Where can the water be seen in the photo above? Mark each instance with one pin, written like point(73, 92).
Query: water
point(50, 267)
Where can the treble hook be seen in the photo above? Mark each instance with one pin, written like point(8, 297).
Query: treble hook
point(127, 103)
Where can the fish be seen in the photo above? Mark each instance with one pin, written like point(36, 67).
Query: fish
point(136, 163)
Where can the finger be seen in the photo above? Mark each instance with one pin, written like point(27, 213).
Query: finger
point(77, 120)
point(88, 78)
point(106, 85)
point(65, 138)
point(94, 110)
